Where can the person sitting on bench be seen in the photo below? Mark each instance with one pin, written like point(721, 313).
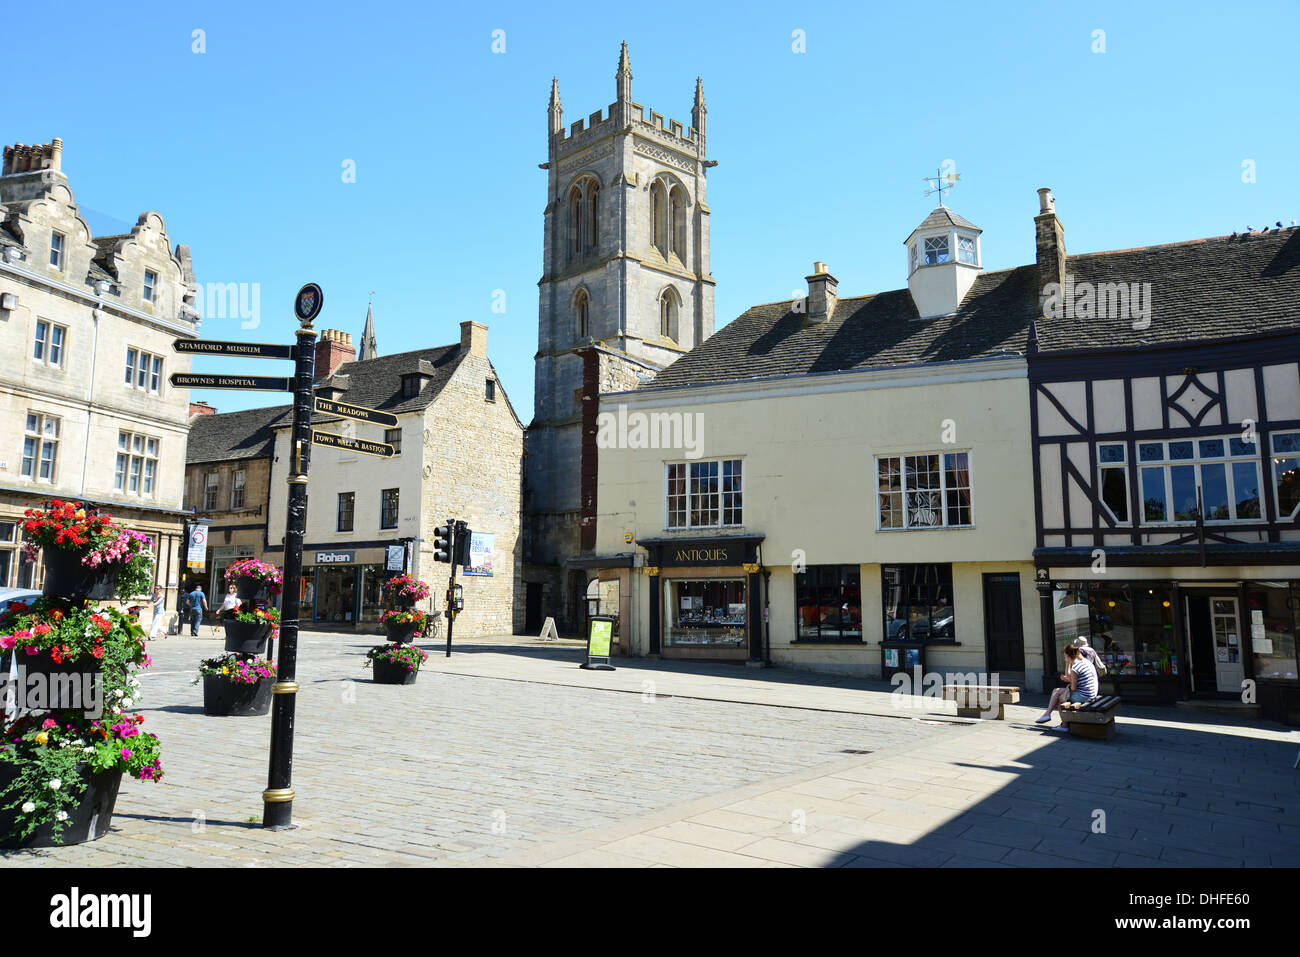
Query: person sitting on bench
point(1082, 677)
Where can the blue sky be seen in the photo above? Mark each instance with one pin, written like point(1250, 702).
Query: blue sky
point(821, 154)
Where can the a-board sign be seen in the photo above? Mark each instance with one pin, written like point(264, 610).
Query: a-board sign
point(257, 383)
point(353, 445)
point(330, 407)
point(600, 639)
point(221, 347)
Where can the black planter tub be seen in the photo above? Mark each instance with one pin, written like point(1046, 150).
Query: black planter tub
point(400, 634)
point(388, 673)
point(249, 588)
point(247, 637)
point(223, 698)
point(66, 577)
point(88, 820)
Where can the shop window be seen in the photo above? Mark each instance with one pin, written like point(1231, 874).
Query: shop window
point(1225, 469)
point(9, 541)
point(710, 612)
point(1130, 626)
point(828, 603)
point(918, 602)
point(924, 491)
point(1273, 617)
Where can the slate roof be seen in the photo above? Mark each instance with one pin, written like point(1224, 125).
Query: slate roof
point(943, 216)
point(227, 436)
point(1221, 288)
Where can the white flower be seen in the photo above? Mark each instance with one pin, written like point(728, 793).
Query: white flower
point(117, 692)
point(61, 815)
point(56, 784)
point(88, 750)
point(127, 702)
point(29, 807)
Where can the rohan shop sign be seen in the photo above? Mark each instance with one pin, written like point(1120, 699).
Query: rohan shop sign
point(336, 558)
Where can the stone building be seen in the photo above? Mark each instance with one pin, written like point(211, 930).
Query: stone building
point(87, 324)
point(625, 290)
point(228, 484)
point(459, 455)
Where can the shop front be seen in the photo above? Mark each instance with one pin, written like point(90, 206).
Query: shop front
point(341, 587)
point(1170, 639)
point(705, 598)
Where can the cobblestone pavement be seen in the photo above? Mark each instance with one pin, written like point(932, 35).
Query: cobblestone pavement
point(507, 753)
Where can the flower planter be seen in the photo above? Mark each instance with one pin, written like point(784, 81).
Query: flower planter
point(88, 820)
point(388, 673)
point(401, 633)
point(56, 676)
point(225, 698)
point(251, 589)
point(247, 637)
point(66, 577)
point(402, 602)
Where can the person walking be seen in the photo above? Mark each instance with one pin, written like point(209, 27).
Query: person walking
point(229, 603)
point(159, 601)
point(198, 604)
point(1091, 654)
point(1082, 678)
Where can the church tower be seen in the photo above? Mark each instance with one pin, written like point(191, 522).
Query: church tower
point(625, 278)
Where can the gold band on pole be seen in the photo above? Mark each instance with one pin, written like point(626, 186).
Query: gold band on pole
point(277, 795)
point(284, 687)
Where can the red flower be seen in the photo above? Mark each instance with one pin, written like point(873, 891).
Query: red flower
point(97, 651)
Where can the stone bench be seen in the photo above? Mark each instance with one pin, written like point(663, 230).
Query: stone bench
point(1092, 719)
point(976, 701)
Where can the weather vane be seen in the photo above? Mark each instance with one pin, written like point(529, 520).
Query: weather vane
point(941, 183)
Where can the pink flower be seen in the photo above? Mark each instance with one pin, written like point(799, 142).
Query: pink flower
point(7, 641)
point(50, 723)
point(126, 753)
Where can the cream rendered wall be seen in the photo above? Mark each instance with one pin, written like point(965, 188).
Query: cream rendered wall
point(809, 449)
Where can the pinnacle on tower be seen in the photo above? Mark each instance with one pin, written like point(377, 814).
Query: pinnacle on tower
point(369, 348)
point(699, 110)
point(554, 109)
point(624, 75)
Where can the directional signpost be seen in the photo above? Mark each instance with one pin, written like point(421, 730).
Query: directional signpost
point(255, 383)
point(218, 347)
point(330, 407)
point(353, 445)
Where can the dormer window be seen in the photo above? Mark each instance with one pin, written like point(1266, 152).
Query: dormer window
point(936, 250)
point(412, 385)
point(966, 250)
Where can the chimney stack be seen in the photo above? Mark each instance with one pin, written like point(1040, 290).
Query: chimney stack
point(1049, 243)
point(333, 348)
point(25, 159)
point(201, 408)
point(821, 293)
point(473, 338)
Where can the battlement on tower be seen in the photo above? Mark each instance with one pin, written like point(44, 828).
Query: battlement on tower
point(601, 124)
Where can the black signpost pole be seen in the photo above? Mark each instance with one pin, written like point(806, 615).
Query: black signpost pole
point(277, 812)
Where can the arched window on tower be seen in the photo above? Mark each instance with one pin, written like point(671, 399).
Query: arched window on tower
point(575, 220)
point(659, 217)
point(581, 313)
point(677, 222)
point(593, 215)
point(669, 307)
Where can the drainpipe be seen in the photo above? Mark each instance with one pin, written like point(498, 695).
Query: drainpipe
point(101, 287)
point(767, 609)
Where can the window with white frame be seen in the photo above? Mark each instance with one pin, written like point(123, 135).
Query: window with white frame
point(237, 483)
point(40, 447)
point(1112, 480)
point(1286, 473)
point(150, 285)
point(56, 250)
point(143, 370)
point(47, 348)
point(705, 494)
point(136, 469)
point(936, 250)
point(966, 250)
point(1223, 470)
point(924, 491)
point(211, 485)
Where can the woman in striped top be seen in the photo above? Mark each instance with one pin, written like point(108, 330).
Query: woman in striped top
point(1082, 677)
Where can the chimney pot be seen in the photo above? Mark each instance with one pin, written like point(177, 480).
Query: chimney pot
point(332, 350)
point(1046, 202)
point(821, 293)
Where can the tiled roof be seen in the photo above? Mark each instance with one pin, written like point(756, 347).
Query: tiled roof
point(1221, 288)
point(233, 435)
point(943, 216)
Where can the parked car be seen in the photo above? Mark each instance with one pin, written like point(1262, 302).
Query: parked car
point(10, 595)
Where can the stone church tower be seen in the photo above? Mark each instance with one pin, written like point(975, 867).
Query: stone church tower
point(625, 290)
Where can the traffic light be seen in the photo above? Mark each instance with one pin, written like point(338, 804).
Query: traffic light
point(462, 544)
point(442, 543)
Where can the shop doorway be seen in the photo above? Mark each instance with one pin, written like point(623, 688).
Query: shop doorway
point(533, 607)
point(336, 595)
point(1004, 632)
point(1214, 643)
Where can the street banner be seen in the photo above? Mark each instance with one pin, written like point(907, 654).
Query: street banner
point(196, 549)
point(481, 545)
